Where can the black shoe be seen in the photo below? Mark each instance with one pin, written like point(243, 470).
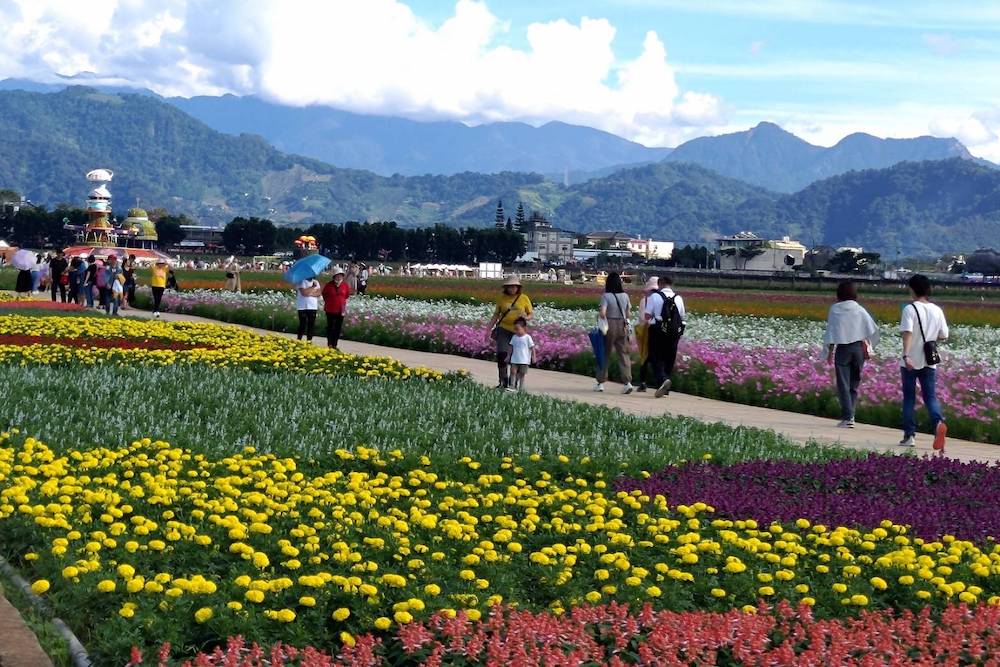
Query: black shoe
point(641, 387)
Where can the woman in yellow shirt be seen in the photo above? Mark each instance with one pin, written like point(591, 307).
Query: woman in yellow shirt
point(511, 305)
point(158, 282)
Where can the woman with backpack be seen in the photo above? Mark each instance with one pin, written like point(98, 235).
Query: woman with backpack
point(511, 305)
point(615, 308)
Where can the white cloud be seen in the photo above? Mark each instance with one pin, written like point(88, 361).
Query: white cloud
point(362, 55)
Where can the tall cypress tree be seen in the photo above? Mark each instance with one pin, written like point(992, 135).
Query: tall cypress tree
point(510, 225)
point(519, 218)
point(499, 216)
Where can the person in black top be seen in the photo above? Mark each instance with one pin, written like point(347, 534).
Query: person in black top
point(57, 269)
point(128, 272)
point(90, 280)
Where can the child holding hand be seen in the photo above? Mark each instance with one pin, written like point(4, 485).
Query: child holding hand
point(522, 354)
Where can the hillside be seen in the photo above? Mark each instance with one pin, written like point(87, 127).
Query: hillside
point(770, 157)
point(164, 157)
point(389, 145)
point(913, 208)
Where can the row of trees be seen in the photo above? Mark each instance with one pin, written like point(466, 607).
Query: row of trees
point(380, 241)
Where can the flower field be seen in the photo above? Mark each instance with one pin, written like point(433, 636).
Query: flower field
point(89, 340)
point(757, 360)
point(174, 490)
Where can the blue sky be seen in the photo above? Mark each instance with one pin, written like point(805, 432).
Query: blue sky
point(655, 71)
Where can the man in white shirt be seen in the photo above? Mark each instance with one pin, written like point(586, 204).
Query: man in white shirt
point(922, 322)
point(306, 302)
point(663, 344)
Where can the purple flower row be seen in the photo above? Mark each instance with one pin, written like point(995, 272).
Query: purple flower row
point(935, 497)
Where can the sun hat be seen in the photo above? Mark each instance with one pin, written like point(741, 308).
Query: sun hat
point(512, 282)
point(653, 283)
point(339, 271)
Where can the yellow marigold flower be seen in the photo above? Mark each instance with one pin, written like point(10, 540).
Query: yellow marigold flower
point(341, 613)
point(285, 615)
point(40, 587)
point(254, 596)
point(106, 586)
point(203, 614)
point(403, 616)
point(718, 593)
point(382, 623)
point(347, 639)
point(593, 597)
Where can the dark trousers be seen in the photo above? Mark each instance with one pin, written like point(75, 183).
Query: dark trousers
point(105, 298)
point(57, 286)
point(662, 353)
point(848, 361)
point(503, 355)
point(157, 297)
point(334, 325)
point(307, 323)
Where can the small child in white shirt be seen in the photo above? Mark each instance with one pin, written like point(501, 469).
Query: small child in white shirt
point(522, 354)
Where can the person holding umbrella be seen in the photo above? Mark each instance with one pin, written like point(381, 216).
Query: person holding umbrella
point(24, 262)
point(335, 296)
point(510, 306)
point(302, 275)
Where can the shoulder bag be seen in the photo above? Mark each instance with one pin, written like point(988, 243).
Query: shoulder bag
point(496, 328)
point(932, 357)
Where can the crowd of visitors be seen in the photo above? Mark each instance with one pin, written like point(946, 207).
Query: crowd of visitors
point(661, 321)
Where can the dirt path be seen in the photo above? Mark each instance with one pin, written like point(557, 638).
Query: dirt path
point(801, 428)
point(18, 645)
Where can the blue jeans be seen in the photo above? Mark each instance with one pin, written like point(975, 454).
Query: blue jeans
point(88, 291)
point(927, 377)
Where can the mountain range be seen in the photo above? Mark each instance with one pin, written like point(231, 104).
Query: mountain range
point(165, 157)
point(773, 158)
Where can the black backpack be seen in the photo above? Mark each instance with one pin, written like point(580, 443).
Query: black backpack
point(670, 319)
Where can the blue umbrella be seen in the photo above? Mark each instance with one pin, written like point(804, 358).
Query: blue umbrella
point(597, 342)
point(308, 267)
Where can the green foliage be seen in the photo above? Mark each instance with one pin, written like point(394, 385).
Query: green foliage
point(168, 230)
point(253, 236)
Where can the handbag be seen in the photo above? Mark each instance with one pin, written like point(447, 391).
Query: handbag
point(602, 325)
point(628, 325)
point(495, 331)
point(932, 356)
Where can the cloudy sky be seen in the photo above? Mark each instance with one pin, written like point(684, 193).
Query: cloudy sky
point(656, 71)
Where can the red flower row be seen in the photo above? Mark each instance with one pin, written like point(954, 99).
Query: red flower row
point(610, 635)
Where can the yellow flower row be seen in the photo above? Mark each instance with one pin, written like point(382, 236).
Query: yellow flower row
point(371, 540)
point(213, 345)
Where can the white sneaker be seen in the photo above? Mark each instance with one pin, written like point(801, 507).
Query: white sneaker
point(511, 389)
point(156, 315)
point(908, 441)
point(627, 389)
point(846, 423)
point(599, 386)
point(664, 388)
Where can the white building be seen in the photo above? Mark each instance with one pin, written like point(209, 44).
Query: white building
point(748, 252)
point(651, 249)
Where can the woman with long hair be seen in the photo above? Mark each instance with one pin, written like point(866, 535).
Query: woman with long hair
point(615, 307)
point(850, 334)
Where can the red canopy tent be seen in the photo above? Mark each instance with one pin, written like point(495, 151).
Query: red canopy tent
point(142, 255)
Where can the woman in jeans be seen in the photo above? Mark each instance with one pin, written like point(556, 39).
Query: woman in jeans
point(615, 308)
point(511, 305)
point(850, 334)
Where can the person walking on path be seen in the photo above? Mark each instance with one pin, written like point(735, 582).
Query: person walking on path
point(922, 325)
point(57, 271)
point(363, 279)
point(666, 316)
point(511, 305)
point(307, 303)
point(128, 271)
point(90, 280)
point(616, 308)
point(642, 333)
point(522, 354)
point(74, 276)
point(24, 282)
point(335, 296)
point(112, 270)
point(851, 333)
point(352, 277)
point(36, 274)
point(158, 283)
